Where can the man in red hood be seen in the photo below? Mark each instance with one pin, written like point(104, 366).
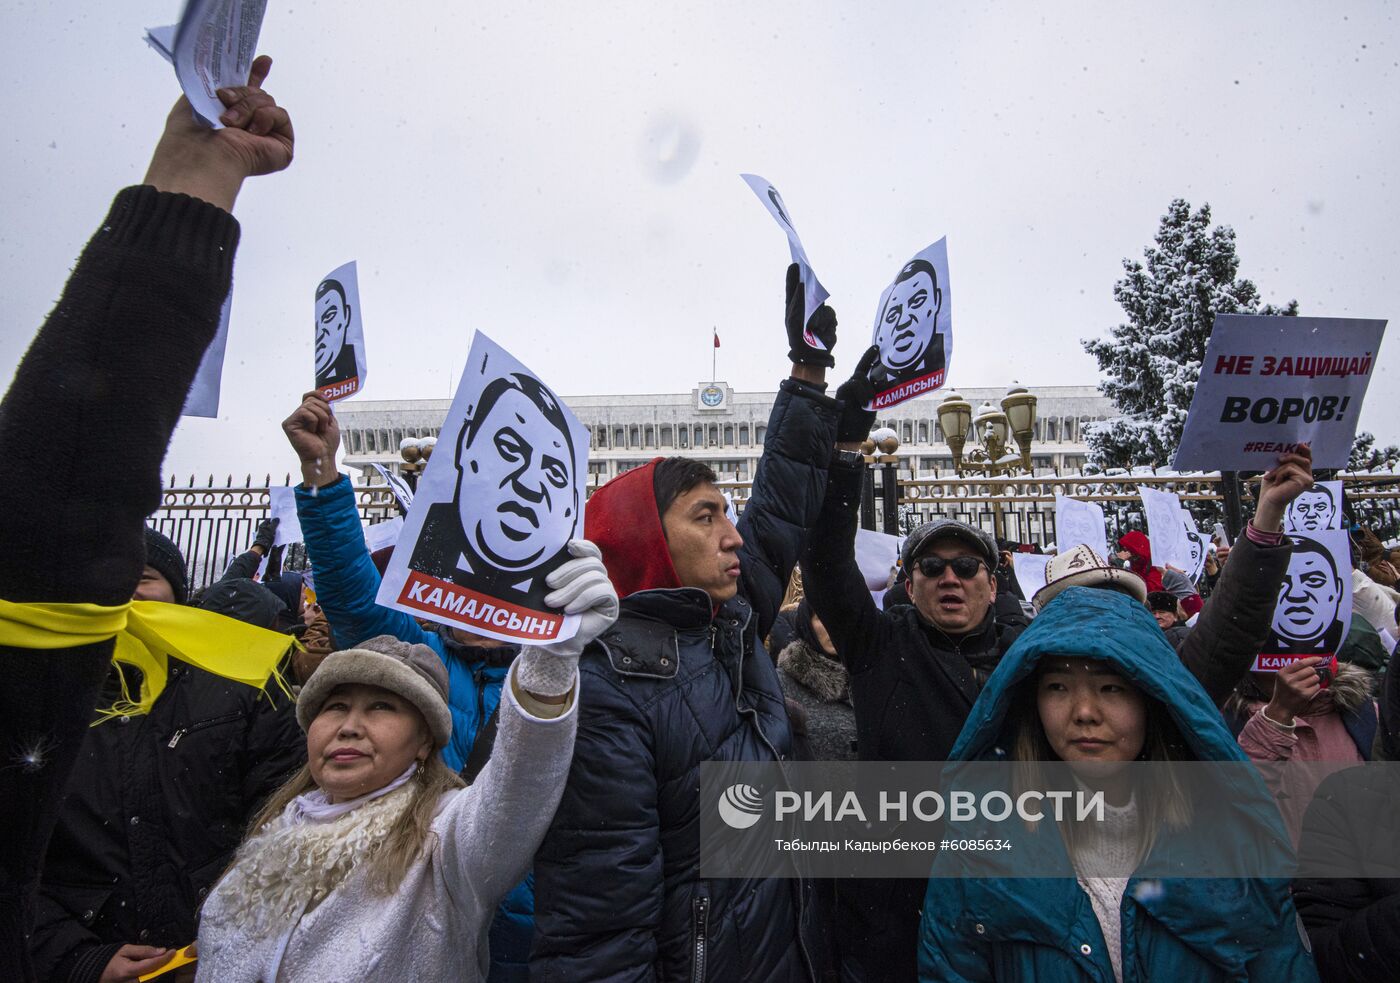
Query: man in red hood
point(679, 680)
point(1137, 551)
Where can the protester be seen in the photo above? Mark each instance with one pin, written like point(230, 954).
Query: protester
point(1372, 600)
point(374, 859)
point(1093, 682)
point(1352, 825)
point(110, 369)
point(245, 565)
point(347, 583)
point(158, 802)
point(682, 679)
point(811, 675)
point(1136, 551)
point(915, 667)
point(1166, 608)
point(1180, 586)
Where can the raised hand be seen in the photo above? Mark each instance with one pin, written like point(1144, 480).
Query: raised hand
point(314, 434)
point(1288, 479)
point(212, 164)
point(1294, 688)
point(821, 325)
point(856, 421)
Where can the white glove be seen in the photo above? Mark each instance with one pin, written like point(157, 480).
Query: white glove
point(580, 586)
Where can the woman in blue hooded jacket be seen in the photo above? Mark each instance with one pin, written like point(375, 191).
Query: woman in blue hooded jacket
point(1094, 684)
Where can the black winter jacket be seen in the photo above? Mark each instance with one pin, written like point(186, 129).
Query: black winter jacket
point(110, 369)
point(156, 806)
point(675, 683)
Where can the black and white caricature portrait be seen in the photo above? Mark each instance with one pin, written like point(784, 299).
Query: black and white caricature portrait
point(814, 293)
point(1196, 548)
point(493, 517)
point(340, 343)
point(1314, 601)
point(913, 330)
point(1316, 509)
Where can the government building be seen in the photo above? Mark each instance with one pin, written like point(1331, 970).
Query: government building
point(725, 429)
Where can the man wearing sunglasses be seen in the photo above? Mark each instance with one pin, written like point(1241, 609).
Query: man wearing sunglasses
point(915, 668)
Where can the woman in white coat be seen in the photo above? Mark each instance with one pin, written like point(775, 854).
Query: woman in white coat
point(374, 863)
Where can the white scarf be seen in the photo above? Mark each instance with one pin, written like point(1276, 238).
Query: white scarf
point(294, 862)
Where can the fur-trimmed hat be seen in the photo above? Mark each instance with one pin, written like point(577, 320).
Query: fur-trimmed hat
point(413, 672)
point(169, 562)
point(1082, 567)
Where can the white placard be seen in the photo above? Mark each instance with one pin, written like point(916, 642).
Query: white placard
point(1318, 508)
point(402, 493)
point(339, 336)
point(1197, 546)
point(1030, 571)
point(282, 506)
point(203, 398)
point(212, 48)
point(914, 330)
point(382, 534)
point(1313, 612)
point(876, 555)
point(495, 508)
point(1078, 523)
point(1165, 529)
point(1270, 383)
point(814, 294)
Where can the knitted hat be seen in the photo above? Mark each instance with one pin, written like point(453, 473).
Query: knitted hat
point(1082, 567)
point(169, 562)
point(413, 672)
point(931, 532)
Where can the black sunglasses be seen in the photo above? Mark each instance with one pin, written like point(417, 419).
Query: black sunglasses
point(965, 567)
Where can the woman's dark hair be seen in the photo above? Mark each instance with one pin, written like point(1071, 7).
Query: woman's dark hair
point(674, 476)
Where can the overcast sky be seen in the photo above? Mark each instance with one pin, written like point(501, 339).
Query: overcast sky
point(565, 177)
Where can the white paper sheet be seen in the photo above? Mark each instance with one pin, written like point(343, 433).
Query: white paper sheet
point(814, 293)
point(1314, 607)
point(402, 493)
point(1270, 383)
point(1030, 571)
point(212, 48)
point(914, 330)
point(338, 337)
point(1318, 508)
point(1079, 522)
point(203, 398)
point(876, 555)
point(1165, 529)
point(382, 534)
point(495, 508)
point(282, 506)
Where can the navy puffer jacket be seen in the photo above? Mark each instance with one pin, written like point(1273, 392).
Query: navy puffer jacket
point(675, 683)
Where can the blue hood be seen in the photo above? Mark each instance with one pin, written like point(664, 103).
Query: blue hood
point(1093, 623)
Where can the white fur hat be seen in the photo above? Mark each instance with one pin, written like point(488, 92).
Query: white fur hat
point(414, 672)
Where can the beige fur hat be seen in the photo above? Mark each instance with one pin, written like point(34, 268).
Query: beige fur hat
point(414, 672)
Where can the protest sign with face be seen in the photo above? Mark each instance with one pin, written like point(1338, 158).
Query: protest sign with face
point(1196, 545)
point(402, 493)
point(494, 512)
point(1030, 571)
point(1270, 383)
point(1165, 529)
point(203, 399)
point(1079, 523)
point(340, 338)
point(815, 293)
point(1318, 508)
point(1314, 601)
point(914, 330)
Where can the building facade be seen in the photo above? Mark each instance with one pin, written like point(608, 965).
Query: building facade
point(724, 428)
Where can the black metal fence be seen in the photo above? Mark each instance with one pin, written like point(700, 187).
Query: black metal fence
point(212, 524)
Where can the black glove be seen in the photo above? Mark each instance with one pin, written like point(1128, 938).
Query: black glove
point(267, 532)
point(822, 324)
point(856, 421)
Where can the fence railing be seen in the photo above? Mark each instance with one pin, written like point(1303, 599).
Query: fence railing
point(213, 523)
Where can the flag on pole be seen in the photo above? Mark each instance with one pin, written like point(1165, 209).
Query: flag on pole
point(716, 338)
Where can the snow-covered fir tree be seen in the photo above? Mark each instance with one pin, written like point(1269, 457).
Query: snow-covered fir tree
point(1151, 363)
point(1366, 456)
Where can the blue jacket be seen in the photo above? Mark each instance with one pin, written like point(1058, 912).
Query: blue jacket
point(346, 585)
point(1044, 929)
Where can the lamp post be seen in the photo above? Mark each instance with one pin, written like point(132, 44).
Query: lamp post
point(415, 452)
point(1019, 406)
point(955, 416)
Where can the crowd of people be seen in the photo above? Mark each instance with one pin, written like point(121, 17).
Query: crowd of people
point(395, 799)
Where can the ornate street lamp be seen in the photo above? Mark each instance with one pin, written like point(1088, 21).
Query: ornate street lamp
point(955, 416)
point(1019, 406)
point(415, 452)
point(992, 430)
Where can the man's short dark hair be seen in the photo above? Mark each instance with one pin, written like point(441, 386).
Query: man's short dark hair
point(674, 476)
point(327, 285)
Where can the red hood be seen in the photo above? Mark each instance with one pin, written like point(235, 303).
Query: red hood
point(1141, 560)
point(622, 521)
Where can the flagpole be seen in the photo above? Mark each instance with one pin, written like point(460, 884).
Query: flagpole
point(714, 353)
